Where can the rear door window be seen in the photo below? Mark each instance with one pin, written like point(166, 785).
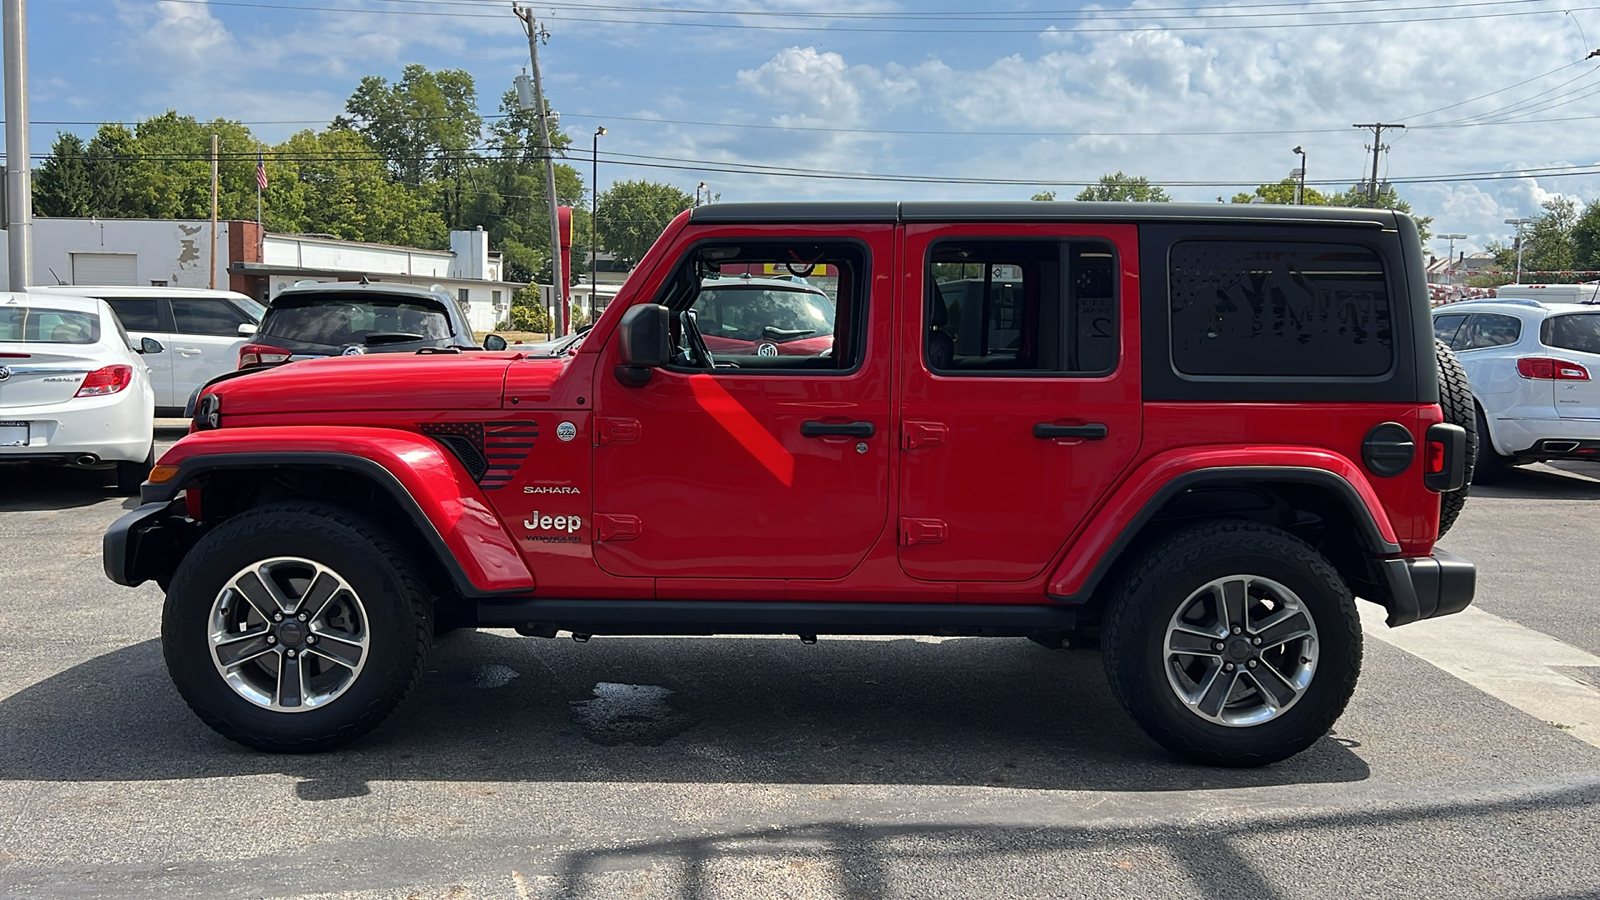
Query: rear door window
point(137, 313)
point(1486, 330)
point(1275, 309)
point(194, 315)
point(1579, 331)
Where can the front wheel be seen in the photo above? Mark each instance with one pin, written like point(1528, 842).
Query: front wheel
point(295, 627)
point(1233, 644)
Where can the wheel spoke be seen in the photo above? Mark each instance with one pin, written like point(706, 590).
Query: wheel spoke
point(338, 650)
point(1234, 596)
point(319, 593)
point(243, 648)
point(265, 601)
point(1283, 628)
point(1215, 693)
point(1277, 692)
point(291, 680)
point(1193, 642)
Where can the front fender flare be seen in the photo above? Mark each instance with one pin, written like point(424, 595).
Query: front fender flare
point(1136, 501)
point(424, 479)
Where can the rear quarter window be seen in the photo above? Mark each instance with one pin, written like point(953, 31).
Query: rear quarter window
point(1257, 309)
point(1577, 331)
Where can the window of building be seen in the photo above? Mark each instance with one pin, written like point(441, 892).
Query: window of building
point(464, 295)
point(1488, 330)
point(1279, 309)
point(1010, 306)
point(758, 306)
point(1578, 331)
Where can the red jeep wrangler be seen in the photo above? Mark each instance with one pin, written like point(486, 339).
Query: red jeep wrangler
point(1191, 434)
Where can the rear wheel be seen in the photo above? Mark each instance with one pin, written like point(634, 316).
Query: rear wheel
point(1233, 644)
point(295, 627)
point(132, 474)
point(1490, 465)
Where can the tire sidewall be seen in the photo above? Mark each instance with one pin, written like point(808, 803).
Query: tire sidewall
point(1141, 656)
point(303, 533)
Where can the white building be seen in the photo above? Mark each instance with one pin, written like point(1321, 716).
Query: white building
point(260, 264)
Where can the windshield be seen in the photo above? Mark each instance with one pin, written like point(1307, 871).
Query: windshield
point(762, 313)
point(338, 320)
point(42, 325)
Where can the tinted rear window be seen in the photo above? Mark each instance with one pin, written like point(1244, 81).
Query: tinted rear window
point(1279, 309)
point(1579, 331)
point(42, 325)
point(336, 321)
point(756, 314)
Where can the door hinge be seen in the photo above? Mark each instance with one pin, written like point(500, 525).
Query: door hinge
point(921, 531)
point(916, 434)
point(608, 431)
point(609, 527)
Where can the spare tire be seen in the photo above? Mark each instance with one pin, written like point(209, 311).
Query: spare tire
point(1455, 398)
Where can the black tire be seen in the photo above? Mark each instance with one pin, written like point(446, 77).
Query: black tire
point(1167, 579)
point(1455, 399)
point(1490, 466)
point(393, 608)
point(132, 474)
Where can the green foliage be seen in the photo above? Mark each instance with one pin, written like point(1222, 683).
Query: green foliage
point(1045, 196)
point(634, 213)
point(1120, 187)
point(1283, 193)
point(335, 183)
point(63, 187)
point(528, 312)
point(1561, 239)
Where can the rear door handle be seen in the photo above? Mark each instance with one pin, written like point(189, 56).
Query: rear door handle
point(836, 429)
point(1093, 431)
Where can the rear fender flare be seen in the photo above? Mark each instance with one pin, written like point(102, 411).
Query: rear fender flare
point(437, 493)
point(1111, 533)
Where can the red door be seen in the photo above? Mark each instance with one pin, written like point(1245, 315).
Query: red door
point(765, 466)
point(1020, 384)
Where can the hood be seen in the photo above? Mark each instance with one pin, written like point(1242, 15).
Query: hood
point(379, 382)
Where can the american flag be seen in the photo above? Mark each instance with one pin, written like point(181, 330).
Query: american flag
point(261, 172)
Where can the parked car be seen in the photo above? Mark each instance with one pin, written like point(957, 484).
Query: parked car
point(746, 316)
point(202, 331)
point(317, 319)
point(74, 388)
point(1113, 441)
point(1533, 367)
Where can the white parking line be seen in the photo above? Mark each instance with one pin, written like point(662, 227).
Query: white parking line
point(1504, 660)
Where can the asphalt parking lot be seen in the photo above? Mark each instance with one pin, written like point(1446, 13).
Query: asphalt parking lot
point(762, 767)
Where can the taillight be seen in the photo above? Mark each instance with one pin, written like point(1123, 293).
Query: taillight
point(262, 355)
point(104, 381)
point(1543, 368)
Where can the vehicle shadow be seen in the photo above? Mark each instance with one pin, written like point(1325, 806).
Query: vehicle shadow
point(970, 712)
point(37, 488)
point(1539, 482)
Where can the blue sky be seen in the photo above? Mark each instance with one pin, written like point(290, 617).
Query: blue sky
point(1199, 93)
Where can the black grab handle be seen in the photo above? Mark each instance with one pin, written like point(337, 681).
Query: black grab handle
point(1094, 431)
point(836, 429)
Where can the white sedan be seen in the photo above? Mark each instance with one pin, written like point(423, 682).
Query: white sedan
point(73, 389)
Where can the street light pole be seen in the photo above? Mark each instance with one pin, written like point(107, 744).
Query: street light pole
point(1519, 223)
point(19, 184)
point(1450, 270)
point(1300, 195)
point(594, 217)
point(701, 187)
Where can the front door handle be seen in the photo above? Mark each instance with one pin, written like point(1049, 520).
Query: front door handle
point(836, 429)
point(1093, 431)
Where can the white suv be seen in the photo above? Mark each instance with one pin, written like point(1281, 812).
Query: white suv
point(201, 329)
point(1533, 368)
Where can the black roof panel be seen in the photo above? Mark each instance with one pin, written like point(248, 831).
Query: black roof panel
point(1030, 211)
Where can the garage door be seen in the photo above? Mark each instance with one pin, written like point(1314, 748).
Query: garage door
point(105, 268)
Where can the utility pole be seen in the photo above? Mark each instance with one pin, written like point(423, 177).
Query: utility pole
point(558, 282)
point(19, 177)
point(213, 212)
point(1377, 148)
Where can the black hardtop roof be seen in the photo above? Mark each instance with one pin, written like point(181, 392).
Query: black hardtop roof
point(1029, 211)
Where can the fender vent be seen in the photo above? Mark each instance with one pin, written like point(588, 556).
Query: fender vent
point(465, 440)
point(491, 452)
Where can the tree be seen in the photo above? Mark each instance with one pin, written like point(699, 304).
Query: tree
point(1549, 244)
point(1045, 196)
point(1120, 187)
point(1283, 192)
point(63, 187)
point(346, 193)
point(1586, 238)
point(1359, 199)
point(633, 214)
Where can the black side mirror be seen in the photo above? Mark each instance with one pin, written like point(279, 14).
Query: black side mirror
point(645, 343)
point(494, 342)
point(150, 345)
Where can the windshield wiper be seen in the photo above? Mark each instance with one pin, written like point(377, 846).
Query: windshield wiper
point(775, 331)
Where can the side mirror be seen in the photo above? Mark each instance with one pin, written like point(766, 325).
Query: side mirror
point(246, 329)
point(150, 345)
point(645, 343)
point(494, 342)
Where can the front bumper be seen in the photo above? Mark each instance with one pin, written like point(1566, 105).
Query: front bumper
point(147, 543)
point(1428, 586)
